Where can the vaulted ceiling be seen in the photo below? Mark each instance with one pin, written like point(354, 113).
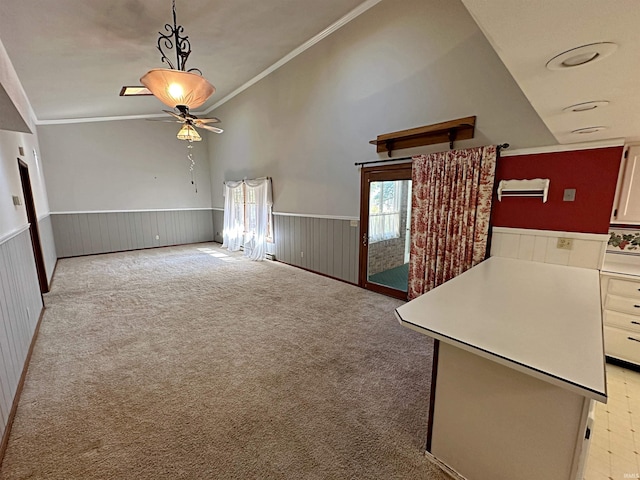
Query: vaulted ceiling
point(73, 56)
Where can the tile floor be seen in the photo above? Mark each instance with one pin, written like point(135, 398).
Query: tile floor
point(615, 445)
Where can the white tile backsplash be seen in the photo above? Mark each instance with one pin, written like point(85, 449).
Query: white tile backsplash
point(541, 246)
point(526, 247)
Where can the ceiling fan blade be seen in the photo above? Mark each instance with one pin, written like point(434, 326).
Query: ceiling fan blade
point(210, 128)
point(179, 117)
point(207, 120)
point(164, 120)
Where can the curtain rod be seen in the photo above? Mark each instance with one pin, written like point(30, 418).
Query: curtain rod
point(502, 146)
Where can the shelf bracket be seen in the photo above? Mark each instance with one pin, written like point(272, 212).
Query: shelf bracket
point(389, 146)
point(452, 137)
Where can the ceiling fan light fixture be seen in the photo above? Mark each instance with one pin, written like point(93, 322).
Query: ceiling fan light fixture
point(187, 132)
point(177, 87)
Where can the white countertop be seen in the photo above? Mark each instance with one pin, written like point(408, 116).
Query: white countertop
point(541, 319)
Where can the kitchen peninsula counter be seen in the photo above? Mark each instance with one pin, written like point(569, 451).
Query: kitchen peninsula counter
point(520, 361)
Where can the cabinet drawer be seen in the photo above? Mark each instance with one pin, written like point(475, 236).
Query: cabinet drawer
point(624, 288)
point(622, 344)
point(622, 304)
point(616, 319)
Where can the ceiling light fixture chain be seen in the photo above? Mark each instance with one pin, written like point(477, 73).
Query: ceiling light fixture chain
point(193, 164)
point(174, 39)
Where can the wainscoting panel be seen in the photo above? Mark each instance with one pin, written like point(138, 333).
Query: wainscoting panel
point(90, 233)
point(20, 306)
point(218, 225)
point(323, 245)
point(48, 245)
point(587, 250)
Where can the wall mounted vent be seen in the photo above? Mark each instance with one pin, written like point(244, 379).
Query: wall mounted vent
point(537, 187)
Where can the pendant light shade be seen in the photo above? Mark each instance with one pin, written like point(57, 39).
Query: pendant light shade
point(187, 132)
point(177, 87)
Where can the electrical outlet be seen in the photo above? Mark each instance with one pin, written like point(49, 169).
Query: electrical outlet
point(301, 254)
point(157, 237)
point(565, 243)
point(353, 223)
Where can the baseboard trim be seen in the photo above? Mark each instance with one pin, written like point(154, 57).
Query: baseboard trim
point(317, 273)
point(444, 467)
point(53, 274)
point(16, 399)
point(134, 250)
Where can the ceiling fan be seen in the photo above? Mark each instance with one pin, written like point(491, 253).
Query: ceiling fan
point(176, 86)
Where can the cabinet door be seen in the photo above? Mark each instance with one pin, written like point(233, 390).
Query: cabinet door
point(628, 210)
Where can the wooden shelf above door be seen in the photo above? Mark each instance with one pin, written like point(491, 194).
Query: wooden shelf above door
point(459, 129)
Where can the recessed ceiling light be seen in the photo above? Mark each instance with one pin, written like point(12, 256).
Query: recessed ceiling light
point(583, 55)
point(587, 130)
point(586, 106)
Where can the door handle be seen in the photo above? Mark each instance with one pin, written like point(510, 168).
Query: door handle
point(364, 239)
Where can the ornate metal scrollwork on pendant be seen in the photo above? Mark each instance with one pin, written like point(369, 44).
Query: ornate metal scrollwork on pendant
point(175, 39)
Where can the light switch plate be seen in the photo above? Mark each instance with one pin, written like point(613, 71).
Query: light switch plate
point(569, 195)
point(353, 223)
point(16, 200)
point(21, 151)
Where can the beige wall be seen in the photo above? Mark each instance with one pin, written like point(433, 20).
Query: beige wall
point(122, 165)
point(401, 64)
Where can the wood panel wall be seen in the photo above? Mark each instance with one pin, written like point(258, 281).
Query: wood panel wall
point(324, 245)
point(20, 307)
point(218, 225)
point(78, 234)
point(48, 246)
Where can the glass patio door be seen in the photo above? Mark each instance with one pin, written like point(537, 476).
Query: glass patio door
point(385, 214)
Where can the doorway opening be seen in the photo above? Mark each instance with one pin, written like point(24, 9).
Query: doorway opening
point(32, 218)
point(385, 221)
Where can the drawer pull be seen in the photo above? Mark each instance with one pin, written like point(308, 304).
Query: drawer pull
point(634, 339)
point(636, 306)
point(635, 323)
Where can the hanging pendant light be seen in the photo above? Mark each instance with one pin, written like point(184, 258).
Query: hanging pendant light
point(175, 85)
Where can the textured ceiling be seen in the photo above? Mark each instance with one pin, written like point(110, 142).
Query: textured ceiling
point(73, 56)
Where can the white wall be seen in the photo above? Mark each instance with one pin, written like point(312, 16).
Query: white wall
point(401, 64)
point(13, 217)
point(122, 165)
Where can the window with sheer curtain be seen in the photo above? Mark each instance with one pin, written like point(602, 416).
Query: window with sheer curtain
point(247, 217)
point(385, 203)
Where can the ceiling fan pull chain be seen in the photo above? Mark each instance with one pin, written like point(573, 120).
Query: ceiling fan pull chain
point(193, 164)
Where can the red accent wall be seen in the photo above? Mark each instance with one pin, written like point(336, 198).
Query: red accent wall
point(593, 173)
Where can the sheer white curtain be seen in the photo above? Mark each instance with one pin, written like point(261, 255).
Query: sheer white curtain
point(233, 233)
point(247, 216)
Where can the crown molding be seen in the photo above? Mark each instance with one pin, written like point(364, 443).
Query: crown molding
point(356, 12)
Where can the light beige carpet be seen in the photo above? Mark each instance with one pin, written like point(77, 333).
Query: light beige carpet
point(181, 363)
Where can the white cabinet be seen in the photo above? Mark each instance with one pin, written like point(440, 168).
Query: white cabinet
point(626, 208)
point(621, 303)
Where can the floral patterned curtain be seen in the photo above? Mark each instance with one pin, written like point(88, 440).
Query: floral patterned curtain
point(451, 206)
